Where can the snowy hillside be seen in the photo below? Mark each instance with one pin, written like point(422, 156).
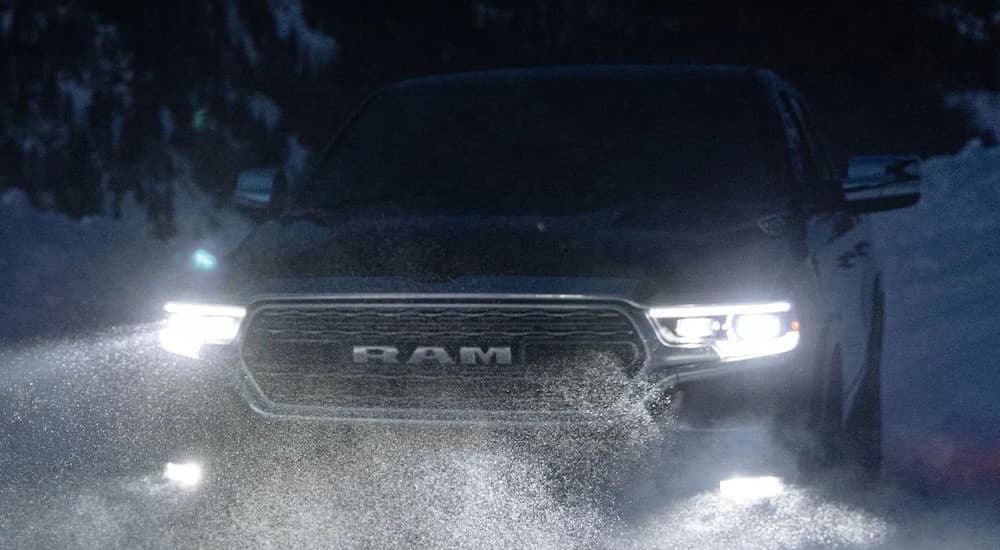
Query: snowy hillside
point(59, 274)
point(941, 260)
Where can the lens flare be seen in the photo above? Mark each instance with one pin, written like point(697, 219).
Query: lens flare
point(204, 260)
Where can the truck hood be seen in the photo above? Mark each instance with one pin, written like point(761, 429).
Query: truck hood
point(576, 256)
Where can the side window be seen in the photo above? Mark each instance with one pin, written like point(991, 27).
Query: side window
point(817, 172)
point(823, 165)
point(800, 141)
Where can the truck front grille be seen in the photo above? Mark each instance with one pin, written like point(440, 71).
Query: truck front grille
point(562, 358)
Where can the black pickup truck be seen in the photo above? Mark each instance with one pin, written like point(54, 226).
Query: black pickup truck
point(549, 245)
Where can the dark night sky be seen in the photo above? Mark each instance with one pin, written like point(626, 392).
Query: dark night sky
point(874, 70)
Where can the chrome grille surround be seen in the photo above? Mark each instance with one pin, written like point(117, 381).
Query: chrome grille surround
point(571, 358)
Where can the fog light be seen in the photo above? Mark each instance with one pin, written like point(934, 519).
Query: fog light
point(749, 489)
point(182, 474)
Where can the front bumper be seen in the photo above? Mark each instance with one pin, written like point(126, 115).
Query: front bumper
point(691, 397)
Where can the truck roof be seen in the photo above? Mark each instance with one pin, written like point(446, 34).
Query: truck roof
point(587, 72)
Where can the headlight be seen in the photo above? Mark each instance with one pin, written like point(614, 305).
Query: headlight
point(190, 326)
point(737, 331)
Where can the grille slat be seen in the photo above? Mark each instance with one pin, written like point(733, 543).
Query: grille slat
point(564, 357)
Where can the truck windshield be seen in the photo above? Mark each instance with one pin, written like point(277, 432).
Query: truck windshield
point(554, 146)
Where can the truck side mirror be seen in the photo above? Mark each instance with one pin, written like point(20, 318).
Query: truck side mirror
point(261, 190)
point(884, 182)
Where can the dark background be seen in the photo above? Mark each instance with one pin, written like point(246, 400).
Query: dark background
point(163, 89)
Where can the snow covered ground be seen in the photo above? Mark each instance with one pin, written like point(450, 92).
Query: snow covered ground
point(86, 404)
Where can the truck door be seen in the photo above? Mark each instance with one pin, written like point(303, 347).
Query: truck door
point(838, 241)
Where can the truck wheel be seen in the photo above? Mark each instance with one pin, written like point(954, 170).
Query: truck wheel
point(853, 445)
point(863, 433)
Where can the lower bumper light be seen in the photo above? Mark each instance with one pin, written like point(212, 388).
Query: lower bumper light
point(182, 474)
point(751, 489)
